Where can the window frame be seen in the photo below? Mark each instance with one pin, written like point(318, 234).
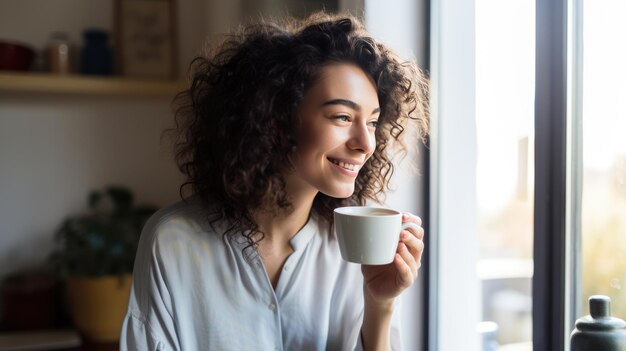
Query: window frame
point(556, 247)
point(555, 216)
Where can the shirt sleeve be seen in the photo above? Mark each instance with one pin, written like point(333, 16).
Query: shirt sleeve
point(137, 336)
point(148, 324)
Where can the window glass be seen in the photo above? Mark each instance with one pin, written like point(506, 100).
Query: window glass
point(505, 56)
point(604, 153)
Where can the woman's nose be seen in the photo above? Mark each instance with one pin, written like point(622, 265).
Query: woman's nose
point(362, 138)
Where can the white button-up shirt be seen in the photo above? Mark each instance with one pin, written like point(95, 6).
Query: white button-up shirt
point(194, 290)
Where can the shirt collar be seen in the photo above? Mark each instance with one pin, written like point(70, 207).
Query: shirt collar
point(304, 236)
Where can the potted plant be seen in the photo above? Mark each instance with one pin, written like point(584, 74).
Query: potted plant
point(95, 254)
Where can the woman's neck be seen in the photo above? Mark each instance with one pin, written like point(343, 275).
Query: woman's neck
point(280, 225)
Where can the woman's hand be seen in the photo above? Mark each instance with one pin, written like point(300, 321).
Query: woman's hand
point(384, 283)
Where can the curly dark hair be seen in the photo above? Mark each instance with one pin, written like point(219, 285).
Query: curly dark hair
point(236, 124)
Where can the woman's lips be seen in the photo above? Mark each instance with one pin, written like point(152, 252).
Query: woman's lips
point(347, 168)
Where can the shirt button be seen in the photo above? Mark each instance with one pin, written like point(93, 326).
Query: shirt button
point(286, 267)
point(272, 306)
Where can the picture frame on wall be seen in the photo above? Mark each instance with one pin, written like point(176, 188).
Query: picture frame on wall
point(145, 32)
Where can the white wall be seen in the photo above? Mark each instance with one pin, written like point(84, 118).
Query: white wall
point(53, 150)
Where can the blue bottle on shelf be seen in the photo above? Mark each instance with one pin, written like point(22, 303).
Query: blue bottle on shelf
point(96, 55)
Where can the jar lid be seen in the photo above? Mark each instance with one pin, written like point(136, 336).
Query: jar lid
point(599, 317)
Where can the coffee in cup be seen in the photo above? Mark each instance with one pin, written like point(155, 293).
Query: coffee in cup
point(369, 235)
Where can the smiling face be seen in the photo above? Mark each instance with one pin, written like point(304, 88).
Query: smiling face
point(338, 118)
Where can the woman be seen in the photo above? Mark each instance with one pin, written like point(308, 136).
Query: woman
point(280, 126)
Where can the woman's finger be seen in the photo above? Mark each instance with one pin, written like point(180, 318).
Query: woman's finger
point(408, 258)
point(418, 232)
point(405, 273)
point(413, 243)
point(409, 217)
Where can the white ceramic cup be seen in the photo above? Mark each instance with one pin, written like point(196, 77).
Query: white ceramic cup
point(369, 235)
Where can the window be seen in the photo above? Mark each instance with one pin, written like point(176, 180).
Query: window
point(481, 153)
point(499, 88)
point(505, 56)
point(603, 206)
point(578, 209)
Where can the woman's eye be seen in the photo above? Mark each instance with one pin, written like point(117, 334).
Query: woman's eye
point(343, 118)
point(373, 124)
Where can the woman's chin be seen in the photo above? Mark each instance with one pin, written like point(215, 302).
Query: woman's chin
point(339, 193)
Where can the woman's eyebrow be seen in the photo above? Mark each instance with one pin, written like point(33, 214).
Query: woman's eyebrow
point(349, 103)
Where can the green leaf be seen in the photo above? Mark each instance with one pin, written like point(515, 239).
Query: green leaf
point(93, 199)
point(122, 198)
point(102, 242)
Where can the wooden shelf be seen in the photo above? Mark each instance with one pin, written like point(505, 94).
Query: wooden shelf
point(44, 83)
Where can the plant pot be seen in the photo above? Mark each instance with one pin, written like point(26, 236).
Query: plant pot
point(98, 305)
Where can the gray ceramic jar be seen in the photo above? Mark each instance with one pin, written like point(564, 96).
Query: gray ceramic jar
point(599, 331)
